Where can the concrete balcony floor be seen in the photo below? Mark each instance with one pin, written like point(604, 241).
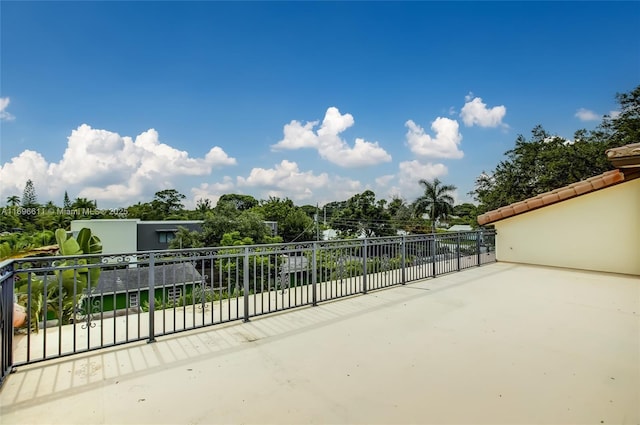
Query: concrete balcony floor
point(502, 343)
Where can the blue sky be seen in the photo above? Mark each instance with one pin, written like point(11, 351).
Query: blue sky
point(114, 101)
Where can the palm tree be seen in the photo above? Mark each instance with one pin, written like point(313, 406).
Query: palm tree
point(13, 201)
point(82, 203)
point(437, 200)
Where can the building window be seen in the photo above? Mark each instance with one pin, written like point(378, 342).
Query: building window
point(174, 293)
point(134, 301)
point(166, 237)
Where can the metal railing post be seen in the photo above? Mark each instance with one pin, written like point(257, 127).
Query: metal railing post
point(478, 248)
point(314, 274)
point(458, 250)
point(403, 257)
point(6, 320)
point(245, 284)
point(433, 255)
point(364, 268)
point(152, 298)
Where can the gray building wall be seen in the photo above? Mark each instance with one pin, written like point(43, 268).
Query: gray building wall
point(154, 235)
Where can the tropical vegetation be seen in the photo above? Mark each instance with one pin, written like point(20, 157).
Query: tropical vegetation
point(535, 164)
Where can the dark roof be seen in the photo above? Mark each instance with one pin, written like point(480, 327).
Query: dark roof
point(134, 278)
point(294, 264)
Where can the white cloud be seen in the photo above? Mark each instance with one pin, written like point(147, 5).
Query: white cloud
point(406, 180)
point(15, 173)
point(614, 114)
point(4, 115)
point(343, 188)
point(384, 181)
point(102, 165)
point(216, 156)
point(475, 112)
point(328, 142)
point(443, 145)
point(410, 172)
point(213, 191)
point(586, 115)
point(285, 178)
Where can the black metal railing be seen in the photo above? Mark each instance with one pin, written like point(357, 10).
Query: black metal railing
point(82, 303)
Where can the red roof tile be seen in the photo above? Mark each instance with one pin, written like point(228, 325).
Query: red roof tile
point(592, 184)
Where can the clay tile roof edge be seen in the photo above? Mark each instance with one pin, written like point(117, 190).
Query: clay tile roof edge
point(589, 185)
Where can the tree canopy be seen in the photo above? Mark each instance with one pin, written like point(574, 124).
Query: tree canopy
point(29, 198)
point(545, 162)
point(294, 224)
point(362, 214)
point(436, 200)
point(240, 202)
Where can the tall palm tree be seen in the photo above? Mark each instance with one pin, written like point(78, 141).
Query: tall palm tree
point(83, 203)
point(437, 200)
point(13, 201)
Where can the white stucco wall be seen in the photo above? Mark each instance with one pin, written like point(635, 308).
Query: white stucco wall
point(597, 231)
point(117, 235)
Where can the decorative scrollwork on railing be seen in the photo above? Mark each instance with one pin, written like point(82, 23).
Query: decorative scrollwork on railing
point(86, 310)
point(120, 259)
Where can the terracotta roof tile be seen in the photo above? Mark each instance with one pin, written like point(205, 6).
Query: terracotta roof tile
point(627, 158)
point(611, 178)
point(597, 184)
point(566, 193)
point(571, 191)
point(520, 207)
point(551, 198)
point(583, 187)
point(534, 203)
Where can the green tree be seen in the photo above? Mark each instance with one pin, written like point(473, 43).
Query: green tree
point(545, 162)
point(465, 213)
point(83, 203)
point(239, 202)
point(622, 128)
point(402, 215)
point(45, 220)
point(538, 165)
point(293, 223)
point(226, 219)
point(10, 220)
point(187, 239)
point(168, 204)
point(310, 210)
point(13, 201)
point(436, 201)
point(29, 198)
point(83, 208)
point(362, 214)
point(204, 205)
point(143, 211)
point(234, 239)
point(332, 208)
point(66, 202)
point(62, 221)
